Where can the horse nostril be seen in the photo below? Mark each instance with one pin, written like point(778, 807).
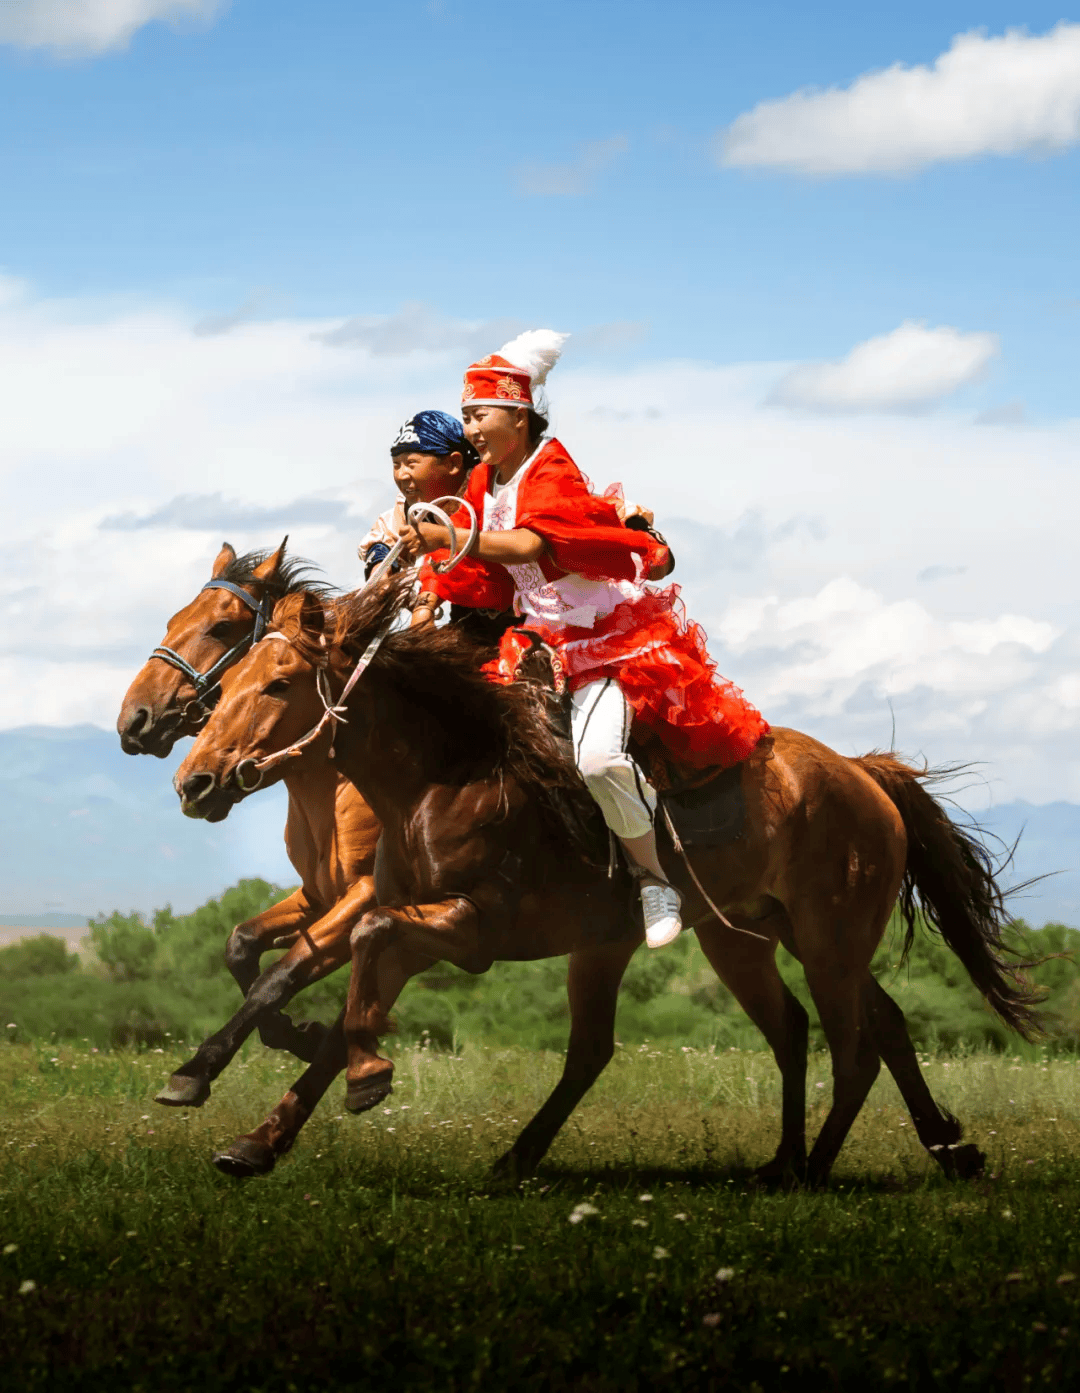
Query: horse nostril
point(138, 723)
point(196, 787)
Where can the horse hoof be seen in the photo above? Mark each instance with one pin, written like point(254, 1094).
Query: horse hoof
point(963, 1161)
point(362, 1095)
point(511, 1169)
point(780, 1175)
point(184, 1091)
point(245, 1159)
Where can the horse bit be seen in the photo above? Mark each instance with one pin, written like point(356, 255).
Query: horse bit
point(208, 684)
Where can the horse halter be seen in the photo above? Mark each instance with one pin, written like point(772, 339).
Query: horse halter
point(208, 684)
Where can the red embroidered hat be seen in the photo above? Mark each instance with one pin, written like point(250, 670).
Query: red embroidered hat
point(509, 377)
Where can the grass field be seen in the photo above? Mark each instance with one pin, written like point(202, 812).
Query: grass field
point(379, 1256)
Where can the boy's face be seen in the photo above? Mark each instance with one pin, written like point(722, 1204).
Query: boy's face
point(423, 478)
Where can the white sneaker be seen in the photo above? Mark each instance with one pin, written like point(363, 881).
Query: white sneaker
point(661, 905)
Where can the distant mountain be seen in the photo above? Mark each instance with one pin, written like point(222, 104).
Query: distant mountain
point(87, 829)
point(44, 922)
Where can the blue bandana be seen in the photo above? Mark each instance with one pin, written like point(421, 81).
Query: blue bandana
point(431, 433)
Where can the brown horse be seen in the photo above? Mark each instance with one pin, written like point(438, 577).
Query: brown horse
point(482, 859)
point(330, 832)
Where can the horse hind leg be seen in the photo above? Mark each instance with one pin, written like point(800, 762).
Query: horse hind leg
point(936, 1127)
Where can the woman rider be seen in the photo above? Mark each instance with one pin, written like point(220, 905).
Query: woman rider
point(562, 558)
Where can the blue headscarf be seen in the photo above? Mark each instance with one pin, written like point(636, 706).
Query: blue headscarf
point(433, 433)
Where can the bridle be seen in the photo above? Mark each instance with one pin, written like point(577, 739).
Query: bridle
point(334, 711)
point(208, 684)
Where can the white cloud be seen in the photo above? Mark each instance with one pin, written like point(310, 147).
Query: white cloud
point(79, 28)
point(1005, 95)
point(909, 368)
point(576, 177)
point(131, 446)
point(829, 645)
point(417, 328)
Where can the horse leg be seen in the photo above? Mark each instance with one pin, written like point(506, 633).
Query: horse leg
point(258, 1151)
point(317, 953)
point(448, 931)
point(280, 926)
point(747, 967)
point(276, 927)
point(937, 1129)
point(593, 978)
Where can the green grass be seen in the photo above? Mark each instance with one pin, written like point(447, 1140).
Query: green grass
point(379, 1255)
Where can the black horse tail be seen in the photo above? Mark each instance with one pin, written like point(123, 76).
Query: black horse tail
point(950, 880)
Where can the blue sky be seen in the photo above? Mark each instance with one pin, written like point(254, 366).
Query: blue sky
point(831, 337)
point(352, 157)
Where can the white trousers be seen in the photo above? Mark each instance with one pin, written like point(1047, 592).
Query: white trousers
point(600, 724)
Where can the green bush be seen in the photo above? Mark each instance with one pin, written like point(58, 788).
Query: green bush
point(166, 976)
point(43, 956)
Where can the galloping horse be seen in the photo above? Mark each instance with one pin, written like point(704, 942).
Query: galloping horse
point(482, 859)
point(330, 832)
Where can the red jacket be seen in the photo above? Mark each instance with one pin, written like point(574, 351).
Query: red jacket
point(583, 532)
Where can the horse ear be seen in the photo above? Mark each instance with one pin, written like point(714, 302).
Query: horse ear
point(299, 613)
point(268, 569)
point(225, 557)
point(312, 614)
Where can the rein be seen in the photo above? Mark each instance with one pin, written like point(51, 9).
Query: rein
point(334, 712)
point(208, 684)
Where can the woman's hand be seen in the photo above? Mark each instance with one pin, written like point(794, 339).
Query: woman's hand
point(627, 510)
point(422, 537)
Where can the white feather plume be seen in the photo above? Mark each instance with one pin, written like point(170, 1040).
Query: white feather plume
point(536, 350)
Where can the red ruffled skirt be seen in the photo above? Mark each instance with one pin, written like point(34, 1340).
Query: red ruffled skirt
point(659, 659)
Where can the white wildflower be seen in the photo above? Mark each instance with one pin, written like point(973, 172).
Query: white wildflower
point(582, 1211)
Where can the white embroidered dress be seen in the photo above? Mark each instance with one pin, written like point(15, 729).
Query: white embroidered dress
point(570, 600)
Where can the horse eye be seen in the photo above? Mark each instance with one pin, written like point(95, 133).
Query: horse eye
point(221, 629)
point(275, 688)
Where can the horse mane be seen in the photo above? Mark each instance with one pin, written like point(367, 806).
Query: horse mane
point(294, 575)
point(503, 727)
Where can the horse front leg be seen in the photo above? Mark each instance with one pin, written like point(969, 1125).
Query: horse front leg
point(258, 1151)
point(747, 967)
point(276, 927)
point(318, 952)
point(445, 932)
point(592, 983)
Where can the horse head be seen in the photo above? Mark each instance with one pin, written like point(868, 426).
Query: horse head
point(176, 688)
point(270, 699)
